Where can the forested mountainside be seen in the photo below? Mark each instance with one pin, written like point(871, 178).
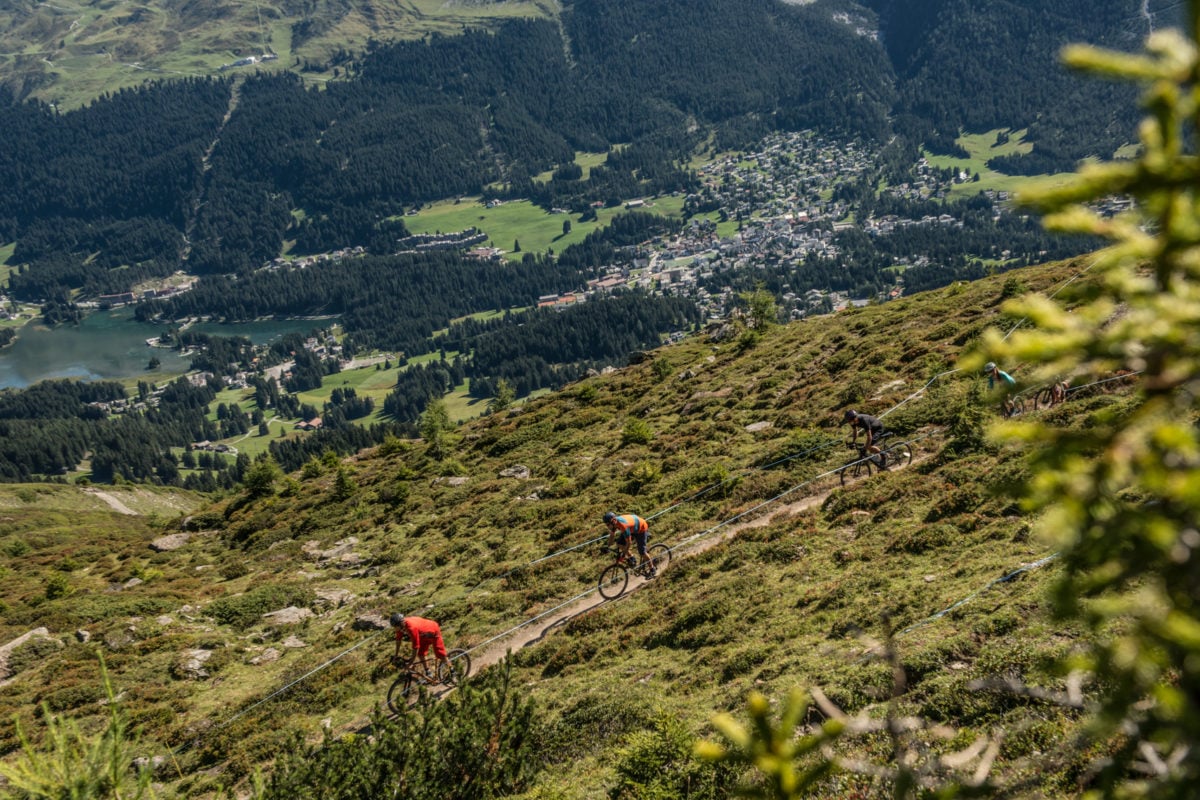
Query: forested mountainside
point(494, 526)
point(213, 174)
point(977, 66)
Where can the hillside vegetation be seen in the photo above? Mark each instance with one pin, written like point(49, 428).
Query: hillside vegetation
point(71, 52)
point(724, 427)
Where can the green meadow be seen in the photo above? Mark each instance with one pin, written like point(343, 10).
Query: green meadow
point(585, 160)
point(982, 147)
point(520, 221)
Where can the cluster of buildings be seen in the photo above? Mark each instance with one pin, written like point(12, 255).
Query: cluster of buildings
point(424, 242)
point(249, 61)
point(182, 284)
point(314, 260)
point(786, 202)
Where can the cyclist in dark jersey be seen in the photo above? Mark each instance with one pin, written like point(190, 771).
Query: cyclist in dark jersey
point(871, 426)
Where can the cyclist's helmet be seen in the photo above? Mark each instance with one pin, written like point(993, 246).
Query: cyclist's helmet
point(397, 620)
point(850, 415)
point(609, 516)
point(988, 367)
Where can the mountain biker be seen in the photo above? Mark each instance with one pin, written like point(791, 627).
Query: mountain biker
point(997, 375)
point(422, 633)
point(871, 426)
point(1058, 392)
point(623, 527)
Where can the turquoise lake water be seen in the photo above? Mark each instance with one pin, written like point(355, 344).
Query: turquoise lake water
point(111, 345)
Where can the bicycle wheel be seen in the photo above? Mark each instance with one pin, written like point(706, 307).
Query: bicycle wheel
point(660, 555)
point(613, 581)
point(1045, 398)
point(460, 667)
point(854, 469)
point(397, 694)
point(899, 454)
point(1018, 407)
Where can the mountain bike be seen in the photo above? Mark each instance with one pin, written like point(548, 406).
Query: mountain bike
point(1052, 395)
point(403, 688)
point(614, 578)
point(1012, 406)
point(897, 453)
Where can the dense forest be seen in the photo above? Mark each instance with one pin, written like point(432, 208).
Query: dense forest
point(969, 66)
point(393, 302)
point(145, 181)
point(49, 428)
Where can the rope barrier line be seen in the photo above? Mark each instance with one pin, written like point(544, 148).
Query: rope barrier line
point(785, 493)
point(274, 694)
point(1004, 579)
point(655, 515)
point(748, 470)
point(532, 620)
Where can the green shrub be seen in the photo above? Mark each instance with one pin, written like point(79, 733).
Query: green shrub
point(923, 538)
point(205, 520)
point(743, 662)
point(247, 609)
point(71, 697)
point(590, 722)
point(659, 764)
point(234, 569)
point(526, 434)
point(57, 586)
point(478, 742)
point(637, 431)
point(15, 548)
point(34, 650)
point(642, 475)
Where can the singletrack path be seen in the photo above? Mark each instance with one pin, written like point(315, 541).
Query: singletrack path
point(534, 633)
point(537, 631)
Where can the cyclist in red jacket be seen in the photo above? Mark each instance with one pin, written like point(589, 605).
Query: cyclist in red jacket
point(422, 633)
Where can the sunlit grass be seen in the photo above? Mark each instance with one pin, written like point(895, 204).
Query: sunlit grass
point(982, 147)
point(520, 221)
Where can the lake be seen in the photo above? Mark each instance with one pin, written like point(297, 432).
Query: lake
point(111, 345)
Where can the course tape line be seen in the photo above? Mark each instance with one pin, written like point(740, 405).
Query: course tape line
point(276, 693)
point(1003, 579)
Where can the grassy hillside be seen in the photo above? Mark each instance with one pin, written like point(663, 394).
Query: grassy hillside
point(72, 51)
point(703, 437)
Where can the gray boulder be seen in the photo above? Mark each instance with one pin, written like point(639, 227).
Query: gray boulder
point(291, 615)
point(170, 542)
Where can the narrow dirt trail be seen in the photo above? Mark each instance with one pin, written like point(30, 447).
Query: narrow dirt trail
point(536, 631)
point(116, 504)
point(495, 652)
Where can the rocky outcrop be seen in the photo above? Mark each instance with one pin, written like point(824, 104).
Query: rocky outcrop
point(39, 637)
point(174, 541)
point(265, 657)
point(371, 621)
point(518, 471)
point(332, 598)
point(292, 615)
point(192, 664)
point(340, 555)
